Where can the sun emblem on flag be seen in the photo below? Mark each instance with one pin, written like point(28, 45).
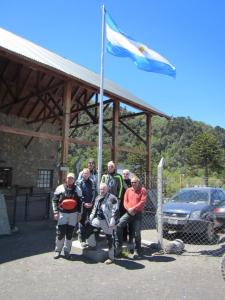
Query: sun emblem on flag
point(141, 49)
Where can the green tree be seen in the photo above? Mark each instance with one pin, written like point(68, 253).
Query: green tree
point(206, 152)
point(136, 162)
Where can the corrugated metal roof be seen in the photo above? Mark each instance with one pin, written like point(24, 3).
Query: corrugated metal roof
point(21, 47)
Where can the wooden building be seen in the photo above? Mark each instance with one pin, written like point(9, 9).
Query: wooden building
point(41, 97)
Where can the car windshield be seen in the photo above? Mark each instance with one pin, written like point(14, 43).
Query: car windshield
point(191, 196)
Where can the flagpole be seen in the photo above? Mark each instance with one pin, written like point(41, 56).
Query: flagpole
point(100, 135)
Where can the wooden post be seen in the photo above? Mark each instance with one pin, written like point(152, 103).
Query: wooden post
point(148, 150)
point(115, 130)
point(65, 130)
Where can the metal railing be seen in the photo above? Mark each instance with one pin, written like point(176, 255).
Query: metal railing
point(23, 204)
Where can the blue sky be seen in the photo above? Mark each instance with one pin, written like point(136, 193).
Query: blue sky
point(189, 33)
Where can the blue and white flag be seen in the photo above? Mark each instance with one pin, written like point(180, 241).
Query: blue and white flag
point(144, 58)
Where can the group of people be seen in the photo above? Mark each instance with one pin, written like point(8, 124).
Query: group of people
point(116, 209)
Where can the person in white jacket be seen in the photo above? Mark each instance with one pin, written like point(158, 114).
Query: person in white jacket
point(66, 204)
point(104, 215)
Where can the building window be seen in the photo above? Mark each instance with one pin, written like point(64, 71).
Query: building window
point(5, 177)
point(45, 178)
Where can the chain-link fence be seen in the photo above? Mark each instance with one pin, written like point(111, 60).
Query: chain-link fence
point(223, 267)
point(188, 216)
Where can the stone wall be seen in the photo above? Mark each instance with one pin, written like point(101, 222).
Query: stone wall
point(25, 162)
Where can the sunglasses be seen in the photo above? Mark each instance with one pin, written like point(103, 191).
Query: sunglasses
point(133, 182)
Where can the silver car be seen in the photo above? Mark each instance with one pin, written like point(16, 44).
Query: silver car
point(191, 211)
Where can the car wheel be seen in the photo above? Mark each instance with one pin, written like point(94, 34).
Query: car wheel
point(210, 233)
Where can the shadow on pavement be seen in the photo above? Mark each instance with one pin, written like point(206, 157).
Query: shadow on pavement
point(129, 264)
point(160, 258)
point(80, 257)
point(219, 252)
point(32, 238)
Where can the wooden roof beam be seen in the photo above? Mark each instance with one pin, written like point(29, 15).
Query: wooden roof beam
point(1, 75)
point(35, 105)
point(76, 114)
point(22, 89)
point(132, 115)
point(58, 138)
point(44, 118)
point(93, 118)
point(131, 130)
point(56, 104)
point(95, 105)
point(10, 92)
point(43, 91)
point(51, 110)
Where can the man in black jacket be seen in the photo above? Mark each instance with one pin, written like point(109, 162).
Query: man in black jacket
point(126, 185)
point(87, 187)
point(93, 174)
point(66, 204)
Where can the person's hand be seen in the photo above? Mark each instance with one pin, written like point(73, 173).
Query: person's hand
point(87, 205)
point(56, 216)
point(131, 211)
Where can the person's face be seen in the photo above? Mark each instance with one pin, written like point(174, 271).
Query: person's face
point(125, 175)
point(103, 190)
point(111, 168)
point(135, 184)
point(69, 180)
point(91, 165)
point(85, 174)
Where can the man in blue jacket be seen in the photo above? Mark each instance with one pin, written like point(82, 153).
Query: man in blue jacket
point(87, 187)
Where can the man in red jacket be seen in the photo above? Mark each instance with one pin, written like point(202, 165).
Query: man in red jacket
point(134, 202)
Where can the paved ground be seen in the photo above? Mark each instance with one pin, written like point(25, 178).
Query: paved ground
point(28, 271)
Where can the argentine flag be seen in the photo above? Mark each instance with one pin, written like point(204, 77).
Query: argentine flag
point(144, 58)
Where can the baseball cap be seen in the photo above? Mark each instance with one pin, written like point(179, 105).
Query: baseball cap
point(70, 175)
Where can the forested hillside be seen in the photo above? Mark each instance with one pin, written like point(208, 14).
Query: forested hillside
point(171, 139)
